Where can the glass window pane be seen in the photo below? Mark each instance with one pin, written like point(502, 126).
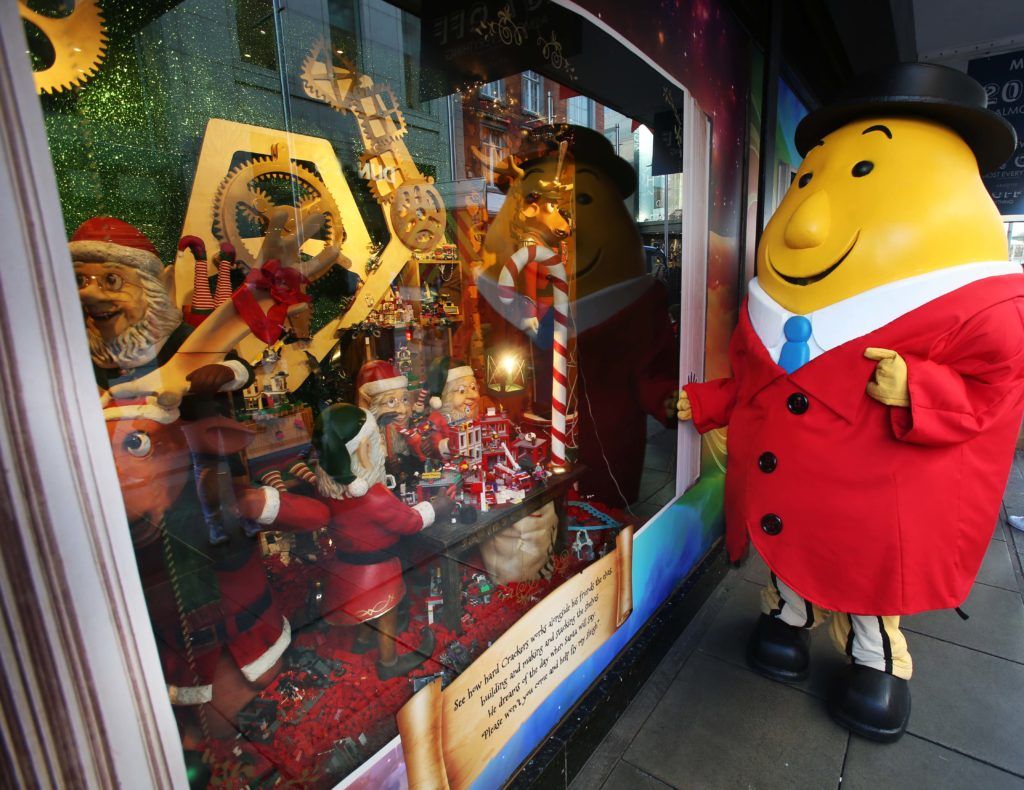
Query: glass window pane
point(384, 360)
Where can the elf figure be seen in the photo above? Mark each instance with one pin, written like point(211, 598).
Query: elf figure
point(454, 397)
point(134, 327)
point(364, 582)
point(878, 382)
point(384, 392)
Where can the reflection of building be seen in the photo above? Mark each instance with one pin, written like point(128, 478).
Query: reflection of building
point(497, 111)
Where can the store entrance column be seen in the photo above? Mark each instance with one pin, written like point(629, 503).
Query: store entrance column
point(694, 264)
point(81, 686)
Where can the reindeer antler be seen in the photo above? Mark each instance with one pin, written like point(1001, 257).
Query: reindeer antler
point(507, 167)
point(556, 188)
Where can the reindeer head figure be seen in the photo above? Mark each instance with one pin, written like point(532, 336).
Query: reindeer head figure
point(538, 201)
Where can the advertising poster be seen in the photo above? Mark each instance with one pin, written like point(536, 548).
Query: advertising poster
point(1003, 79)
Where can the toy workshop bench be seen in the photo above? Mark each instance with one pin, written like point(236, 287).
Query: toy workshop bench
point(448, 541)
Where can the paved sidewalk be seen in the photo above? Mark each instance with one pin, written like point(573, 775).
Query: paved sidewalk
point(704, 720)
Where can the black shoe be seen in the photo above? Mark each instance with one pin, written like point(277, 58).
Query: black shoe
point(870, 703)
point(251, 527)
point(407, 662)
point(779, 651)
point(218, 537)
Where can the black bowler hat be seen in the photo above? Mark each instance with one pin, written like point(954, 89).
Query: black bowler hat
point(922, 90)
point(585, 146)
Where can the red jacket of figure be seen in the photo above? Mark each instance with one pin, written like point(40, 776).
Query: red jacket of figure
point(364, 579)
point(866, 508)
point(374, 521)
point(425, 438)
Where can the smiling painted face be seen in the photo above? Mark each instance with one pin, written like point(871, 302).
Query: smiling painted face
point(607, 243)
point(876, 201)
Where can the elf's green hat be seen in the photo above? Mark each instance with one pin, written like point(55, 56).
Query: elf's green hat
point(441, 371)
point(338, 431)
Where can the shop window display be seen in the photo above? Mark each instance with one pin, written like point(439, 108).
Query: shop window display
point(381, 368)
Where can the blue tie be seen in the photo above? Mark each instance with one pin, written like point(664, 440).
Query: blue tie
point(795, 351)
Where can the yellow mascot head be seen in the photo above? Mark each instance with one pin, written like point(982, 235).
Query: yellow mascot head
point(890, 187)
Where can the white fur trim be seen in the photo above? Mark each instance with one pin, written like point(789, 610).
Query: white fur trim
point(190, 695)
point(108, 252)
point(369, 427)
point(426, 511)
point(141, 411)
point(271, 507)
point(266, 661)
point(460, 372)
point(371, 388)
point(240, 372)
point(358, 487)
point(435, 402)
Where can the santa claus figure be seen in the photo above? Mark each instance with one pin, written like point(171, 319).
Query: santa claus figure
point(134, 327)
point(383, 391)
point(364, 579)
point(456, 384)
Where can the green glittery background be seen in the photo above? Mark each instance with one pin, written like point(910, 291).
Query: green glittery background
point(126, 143)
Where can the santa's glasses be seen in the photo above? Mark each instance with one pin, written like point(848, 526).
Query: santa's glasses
point(107, 281)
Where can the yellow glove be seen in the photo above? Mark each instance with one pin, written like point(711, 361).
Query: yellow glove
point(889, 385)
point(683, 409)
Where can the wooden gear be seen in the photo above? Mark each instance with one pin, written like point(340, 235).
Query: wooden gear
point(79, 42)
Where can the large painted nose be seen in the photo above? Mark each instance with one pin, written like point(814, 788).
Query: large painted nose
point(809, 225)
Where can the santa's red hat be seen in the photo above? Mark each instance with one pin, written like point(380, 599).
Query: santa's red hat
point(379, 376)
point(110, 240)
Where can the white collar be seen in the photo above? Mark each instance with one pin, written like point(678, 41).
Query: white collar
point(598, 307)
point(865, 312)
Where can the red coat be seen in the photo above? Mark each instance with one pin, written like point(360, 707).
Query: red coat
point(372, 522)
point(881, 510)
point(364, 579)
point(629, 366)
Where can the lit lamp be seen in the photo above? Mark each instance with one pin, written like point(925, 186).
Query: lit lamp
point(506, 372)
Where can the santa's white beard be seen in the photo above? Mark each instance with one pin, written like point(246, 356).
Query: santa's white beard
point(374, 472)
point(140, 342)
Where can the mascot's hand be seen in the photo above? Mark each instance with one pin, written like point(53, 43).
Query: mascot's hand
point(530, 326)
point(683, 409)
point(889, 385)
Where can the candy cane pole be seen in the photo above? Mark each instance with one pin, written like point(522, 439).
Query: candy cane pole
point(555, 266)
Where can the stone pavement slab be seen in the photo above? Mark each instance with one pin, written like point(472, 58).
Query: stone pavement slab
point(997, 569)
point(720, 726)
point(995, 624)
point(628, 777)
point(968, 701)
point(913, 762)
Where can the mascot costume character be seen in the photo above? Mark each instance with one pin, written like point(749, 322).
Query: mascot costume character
point(878, 383)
